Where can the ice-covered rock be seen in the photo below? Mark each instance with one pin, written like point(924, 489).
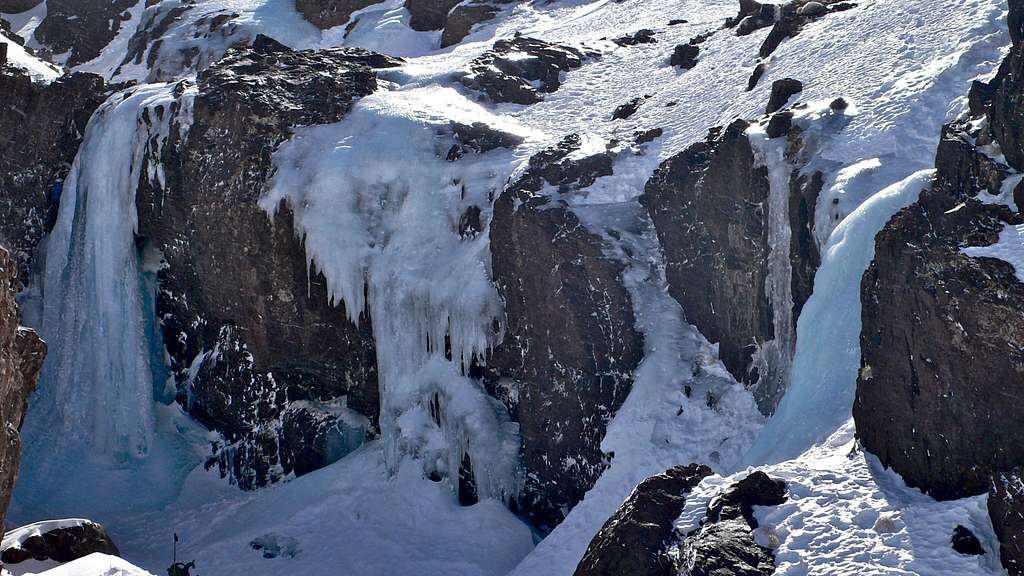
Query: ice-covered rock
point(58, 540)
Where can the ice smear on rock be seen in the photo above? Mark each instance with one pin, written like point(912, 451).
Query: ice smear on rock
point(379, 206)
point(94, 411)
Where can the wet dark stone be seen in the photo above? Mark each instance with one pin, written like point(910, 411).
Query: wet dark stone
point(635, 539)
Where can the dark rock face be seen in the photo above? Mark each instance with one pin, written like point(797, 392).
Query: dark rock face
point(504, 75)
point(83, 27)
point(931, 315)
point(965, 542)
point(1006, 508)
point(635, 539)
point(326, 14)
point(782, 91)
point(570, 347)
point(716, 245)
point(755, 490)
point(724, 544)
point(288, 354)
point(710, 207)
point(61, 544)
point(465, 16)
point(21, 358)
point(727, 549)
point(429, 14)
point(43, 124)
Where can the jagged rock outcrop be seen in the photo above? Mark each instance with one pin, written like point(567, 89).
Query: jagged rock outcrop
point(724, 544)
point(1006, 509)
point(21, 359)
point(60, 540)
point(245, 320)
point(931, 316)
point(711, 209)
point(81, 28)
point(782, 91)
point(570, 347)
point(522, 70)
point(942, 378)
point(42, 126)
point(636, 538)
point(326, 14)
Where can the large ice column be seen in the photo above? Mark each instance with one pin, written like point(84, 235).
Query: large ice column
point(385, 212)
point(94, 408)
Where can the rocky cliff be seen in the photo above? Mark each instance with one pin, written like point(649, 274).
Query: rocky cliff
point(942, 345)
point(21, 358)
point(245, 318)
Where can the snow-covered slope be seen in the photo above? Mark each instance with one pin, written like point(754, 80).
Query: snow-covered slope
point(378, 206)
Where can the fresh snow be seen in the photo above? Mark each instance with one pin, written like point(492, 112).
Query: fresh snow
point(95, 564)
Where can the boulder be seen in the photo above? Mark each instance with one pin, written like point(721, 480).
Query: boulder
point(464, 17)
point(635, 539)
point(724, 544)
point(566, 362)
point(782, 91)
point(58, 540)
point(626, 110)
point(521, 70)
point(429, 14)
point(326, 14)
point(685, 56)
point(644, 36)
point(727, 549)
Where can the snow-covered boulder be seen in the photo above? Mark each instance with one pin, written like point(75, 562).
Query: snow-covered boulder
point(58, 540)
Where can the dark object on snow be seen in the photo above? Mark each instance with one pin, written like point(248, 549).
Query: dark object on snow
point(639, 37)
point(965, 542)
point(839, 104)
point(628, 109)
point(61, 544)
point(739, 501)
point(505, 74)
point(634, 540)
point(181, 568)
point(645, 136)
point(755, 76)
point(782, 91)
point(724, 545)
point(685, 56)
